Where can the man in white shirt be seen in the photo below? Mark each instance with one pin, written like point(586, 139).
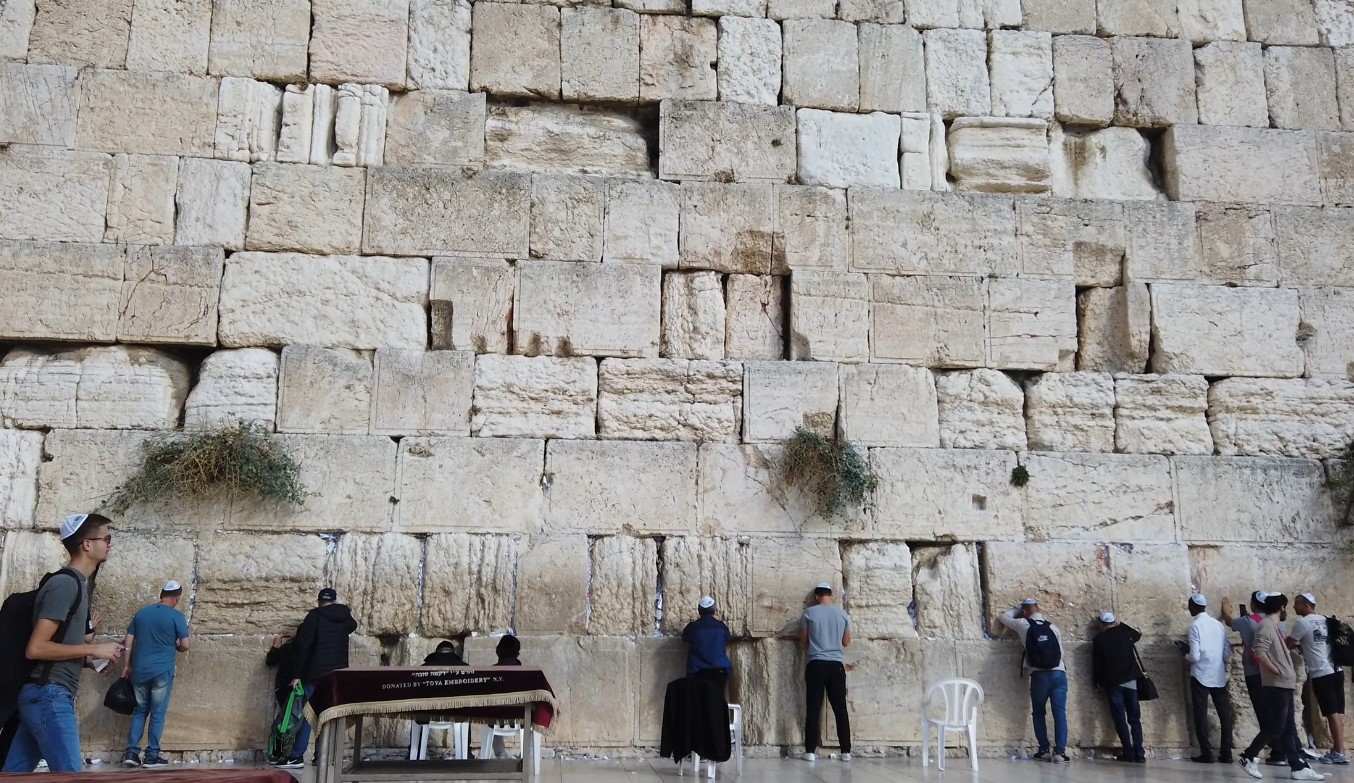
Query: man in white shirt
point(1207, 651)
point(1328, 680)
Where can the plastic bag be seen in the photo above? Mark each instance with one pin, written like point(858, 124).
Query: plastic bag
point(121, 697)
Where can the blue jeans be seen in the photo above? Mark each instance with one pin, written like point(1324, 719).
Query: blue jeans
point(1046, 686)
point(152, 698)
point(1127, 715)
point(303, 736)
point(47, 730)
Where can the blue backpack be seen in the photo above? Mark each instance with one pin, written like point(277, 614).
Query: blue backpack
point(1042, 650)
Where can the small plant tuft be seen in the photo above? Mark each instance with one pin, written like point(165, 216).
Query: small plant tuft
point(1020, 476)
point(833, 470)
point(237, 460)
point(1340, 481)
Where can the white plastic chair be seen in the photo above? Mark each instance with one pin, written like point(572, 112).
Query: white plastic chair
point(736, 732)
point(961, 700)
point(418, 738)
point(487, 742)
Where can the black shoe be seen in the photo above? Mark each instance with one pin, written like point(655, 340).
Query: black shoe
point(1276, 761)
point(1203, 760)
point(1140, 760)
point(292, 763)
point(154, 762)
point(1128, 757)
point(1225, 758)
point(131, 759)
point(1042, 755)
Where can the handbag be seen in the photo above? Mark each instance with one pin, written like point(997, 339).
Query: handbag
point(121, 697)
point(1147, 690)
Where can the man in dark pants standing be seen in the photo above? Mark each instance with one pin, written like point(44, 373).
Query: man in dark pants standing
point(1246, 625)
point(1115, 670)
point(1279, 679)
point(707, 640)
point(321, 647)
point(1207, 651)
point(826, 630)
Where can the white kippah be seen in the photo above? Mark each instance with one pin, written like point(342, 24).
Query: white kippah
point(71, 524)
point(172, 587)
point(1198, 599)
point(707, 602)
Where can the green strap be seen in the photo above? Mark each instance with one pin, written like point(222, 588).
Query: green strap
point(297, 692)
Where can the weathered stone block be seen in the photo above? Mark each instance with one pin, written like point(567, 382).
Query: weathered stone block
point(134, 578)
point(419, 210)
point(264, 39)
point(38, 104)
point(27, 556)
point(149, 113)
point(697, 566)
point(1290, 418)
point(16, 22)
point(1021, 73)
point(1154, 83)
point(53, 195)
point(1071, 411)
point(901, 232)
point(1111, 163)
point(1203, 21)
point(1328, 316)
point(1031, 324)
point(749, 490)
point(1227, 570)
point(811, 228)
point(670, 399)
point(1139, 17)
point(693, 316)
point(1237, 245)
point(20, 454)
point(925, 160)
point(1083, 80)
point(234, 386)
point(1114, 328)
point(1084, 240)
point(435, 126)
point(475, 588)
point(354, 476)
point(889, 405)
point(422, 392)
point(941, 13)
point(1313, 246)
point(1250, 166)
point(728, 228)
point(141, 199)
point(378, 574)
point(642, 220)
point(555, 572)
point(1225, 331)
point(169, 36)
point(1281, 22)
point(957, 83)
point(677, 57)
point(1335, 167)
point(212, 202)
point(778, 397)
point(316, 209)
point(566, 218)
point(472, 304)
point(274, 299)
point(880, 576)
point(1252, 499)
point(567, 309)
point(951, 494)
point(439, 44)
point(81, 32)
point(92, 388)
point(892, 68)
point(1099, 497)
point(726, 142)
point(980, 409)
point(605, 487)
point(519, 396)
point(1069, 580)
point(784, 572)
point(989, 155)
point(359, 41)
point(798, 9)
point(83, 281)
point(324, 390)
point(749, 60)
point(1231, 79)
point(516, 50)
point(754, 323)
point(599, 53)
point(822, 64)
point(929, 320)
point(473, 485)
point(1061, 17)
point(622, 595)
point(1161, 414)
point(1162, 243)
point(169, 295)
point(255, 584)
point(947, 592)
point(829, 316)
point(1301, 85)
point(848, 150)
point(248, 120)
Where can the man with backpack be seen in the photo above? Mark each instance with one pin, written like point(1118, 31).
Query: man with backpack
point(155, 636)
point(1207, 652)
point(1115, 670)
point(1043, 662)
point(1278, 681)
point(48, 668)
point(321, 647)
point(1311, 634)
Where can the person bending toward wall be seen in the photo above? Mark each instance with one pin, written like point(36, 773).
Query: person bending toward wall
point(826, 630)
point(1115, 670)
point(1043, 662)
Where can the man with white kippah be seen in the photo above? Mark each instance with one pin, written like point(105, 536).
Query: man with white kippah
point(156, 634)
point(707, 640)
point(1115, 670)
point(1207, 650)
point(1310, 635)
point(826, 630)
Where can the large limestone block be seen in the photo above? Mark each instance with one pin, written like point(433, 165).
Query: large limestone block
point(766, 676)
point(1161, 414)
point(1328, 315)
point(822, 64)
point(780, 397)
point(422, 392)
point(1071, 411)
point(1204, 21)
point(905, 232)
point(1162, 243)
point(1022, 73)
point(889, 405)
point(53, 195)
point(1335, 166)
point(469, 583)
point(1313, 246)
point(567, 309)
point(1070, 581)
point(677, 57)
point(602, 487)
point(167, 35)
point(61, 291)
point(1099, 497)
point(1300, 81)
point(842, 150)
point(599, 50)
point(1344, 85)
point(1211, 330)
point(81, 32)
point(754, 324)
point(248, 120)
point(929, 320)
point(1232, 569)
point(925, 161)
point(516, 50)
point(417, 210)
point(784, 573)
point(1231, 84)
point(169, 295)
point(1238, 245)
point(28, 556)
point(957, 82)
point(314, 209)
point(1084, 240)
point(212, 202)
point(622, 597)
point(353, 476)
point(264, 39)
point(249, 583)
point(1335, 22)
point(670, 399)
point(1061, 17)
point(439, 44)
point(554, 572)
point(324, 390)
point(980, 409)
point(541, 397)
point(725, 142)
point(566, 139)
point(275, 299)
point(990, 155)
point(892, 672)
point(234, 386)
point(148, 113)
point(38, 104)
point(379, 577)
point(1083, 80)
point(1154, 83)
point(16, 22)
point(728, 228)
point(20, 454)
point(1281, 22)
point(1290, 418)
point(697, 566)
point(1111, 163)
point(1138, 17)
point(971, 498)
point(133, 577)
point(1252, 499)
point(141, 199)
point(566, 218)
point(472, 304)
point(749, 60)
point(892, 68)
point(829, 316)
point(747, 490)
point(642, 223)
point(1115, 328)
point(880, 576)
point(1148, 582)
point(693, 323)
point(110, 387)
point(360, 41)
point(470, 485)
point(1031, 324)
point(948, 593)
point(811, 230)
point(1250, 166)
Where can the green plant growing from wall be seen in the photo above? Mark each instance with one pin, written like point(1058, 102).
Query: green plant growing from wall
point(834, 472)
point(1340, 480)
point(242, 460)
point(1020, 476)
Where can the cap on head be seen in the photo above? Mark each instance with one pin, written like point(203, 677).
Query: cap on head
point(1308, 597)
point(328, 594)
point(71, 525)
point(824, 586)
point(1029, 602)
point(446, 645)
point(171, 588)
point(1262, 595)
point(1107, 618)
point(1198, 599)
point(707, 602)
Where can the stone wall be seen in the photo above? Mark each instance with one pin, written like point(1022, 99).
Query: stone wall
point(535, 291)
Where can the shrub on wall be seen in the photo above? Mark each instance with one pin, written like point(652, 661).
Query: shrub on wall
point(834, 472)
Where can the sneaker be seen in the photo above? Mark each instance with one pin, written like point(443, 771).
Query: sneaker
point(1307, 773)
point(1203, 759)
point(1251, 766)
point(1225, 758)
point(1042, 755)
point(809, 756)
point(292, 763)
point(1334, 758)
point(1060, 758)
point(846, 757)
point(154, 762)
point(131, 759)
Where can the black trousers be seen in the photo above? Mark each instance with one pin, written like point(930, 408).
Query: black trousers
point(825, 677)
point(1199, 695)
point(1277, 727)
point(1253, 688)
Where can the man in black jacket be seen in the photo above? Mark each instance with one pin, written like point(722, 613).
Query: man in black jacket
point(321, 647)
point(1115, 669)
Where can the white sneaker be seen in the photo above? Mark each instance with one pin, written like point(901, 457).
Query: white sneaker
point(846, 757)
point(1251, 766)
point(809, 756)
point(1307, 773)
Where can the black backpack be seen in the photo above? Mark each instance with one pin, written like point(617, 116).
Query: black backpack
point(1341, 638)
point(1042, 650)
point(16, 627)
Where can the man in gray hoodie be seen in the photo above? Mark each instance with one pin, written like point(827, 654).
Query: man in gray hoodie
point(1278, 679)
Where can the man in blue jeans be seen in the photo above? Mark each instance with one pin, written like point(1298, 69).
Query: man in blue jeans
point(47, 725)
point(1048, 677)
point(321, 647)
point(156, 634)
point(1116, 671)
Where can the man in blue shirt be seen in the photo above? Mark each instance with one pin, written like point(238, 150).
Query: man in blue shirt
point(708, 640)
point(156, 633)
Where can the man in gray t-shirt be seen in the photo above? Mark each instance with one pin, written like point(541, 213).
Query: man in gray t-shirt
point(825, 629)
